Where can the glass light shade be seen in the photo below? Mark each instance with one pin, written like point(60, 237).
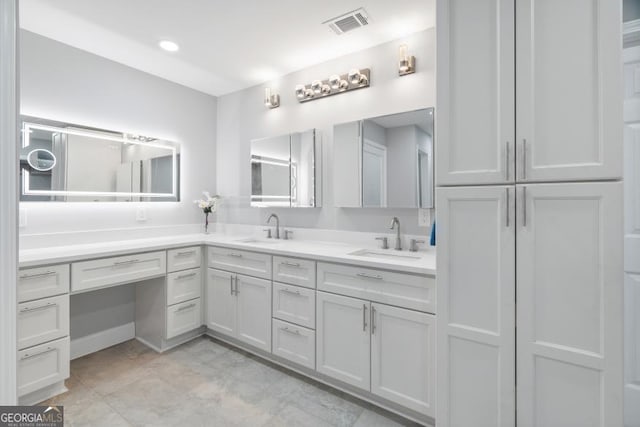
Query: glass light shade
point(334, 81)
point(343, 84)
point(267, 96)
point(354, 76)
point(316, 86)
point(325, 89)
point(300, 91)
point(309, 93)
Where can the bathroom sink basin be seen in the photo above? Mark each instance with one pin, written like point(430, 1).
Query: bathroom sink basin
point(395, 255)
point(253, 241)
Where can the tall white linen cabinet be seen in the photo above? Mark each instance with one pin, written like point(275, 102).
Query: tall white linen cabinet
point(529, 213)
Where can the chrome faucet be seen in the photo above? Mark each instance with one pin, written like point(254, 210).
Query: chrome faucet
point(396, 222)
point(277, 224)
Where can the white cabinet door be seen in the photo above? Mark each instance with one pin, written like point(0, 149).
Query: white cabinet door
point(253, 298)
point(343, 339)
point(221, 302)
point(475, 119)
point(569, 288)
point(569, 89)
point(403, 357)
point(476, 306)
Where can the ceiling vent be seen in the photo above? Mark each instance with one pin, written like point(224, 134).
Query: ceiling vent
point(348, 21)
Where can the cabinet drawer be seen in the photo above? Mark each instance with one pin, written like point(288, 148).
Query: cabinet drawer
point(43, 320)
point(244, 262)
point(294, 271)
point(294, 343)
point(42, 366)
point(183, 317)
point(105, 272)
point(403, 290)
point(183, 286)
point(42, 282)
point(184, 258)
point(294, 304)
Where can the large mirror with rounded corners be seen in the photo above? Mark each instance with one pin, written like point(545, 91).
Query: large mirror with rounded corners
point(65, 162)
point(384, 162)
point(285, 171)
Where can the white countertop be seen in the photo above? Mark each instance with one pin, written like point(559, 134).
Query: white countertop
point(425, 263)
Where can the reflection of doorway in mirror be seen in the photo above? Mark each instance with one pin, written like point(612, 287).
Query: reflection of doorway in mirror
point(424, 180)
point(374, 174)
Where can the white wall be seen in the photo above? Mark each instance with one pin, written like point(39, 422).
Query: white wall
point(63, 83)
point(242, 117)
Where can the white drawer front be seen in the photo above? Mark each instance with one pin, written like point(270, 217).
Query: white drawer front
point(294, 343)
point(183, 286)
point(100, 273)
point(243, 262)
point(294, 271)
point(42, 282)
point(183, 317)
point(403, 290)
point(43, 365)
point(43, 320)
point(184, 258)
point(294, 304)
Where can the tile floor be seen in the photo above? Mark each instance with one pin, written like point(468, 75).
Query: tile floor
point(203, 383)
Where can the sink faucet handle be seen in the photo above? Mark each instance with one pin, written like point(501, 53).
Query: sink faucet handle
point(268, 230)
point(413, 247)
point(287, 234)
point(385, 242)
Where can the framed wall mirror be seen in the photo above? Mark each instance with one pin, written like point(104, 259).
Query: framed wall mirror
point(285, 171)
point(66, 162)
point(385, 162)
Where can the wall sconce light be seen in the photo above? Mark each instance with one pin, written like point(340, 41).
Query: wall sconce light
point(406, 63)
point(271, 100)
point(334, 85)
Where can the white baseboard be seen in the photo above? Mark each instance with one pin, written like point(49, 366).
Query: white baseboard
point(43, 394)
point(103, 339)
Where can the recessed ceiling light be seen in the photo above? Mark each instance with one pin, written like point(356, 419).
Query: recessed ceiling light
point(169, 46)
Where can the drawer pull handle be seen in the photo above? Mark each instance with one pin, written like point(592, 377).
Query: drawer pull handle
point(128, 262)
point(30, 355)
point(291, 331)
point(28, 309)
point(33, 276)
point(235, 255)
point(184, 276)
point(370, 276)
point(186, 307)
point(364, 317)
point(373, 320)
point(185, 253)
point(290, 264)
point(289, 291)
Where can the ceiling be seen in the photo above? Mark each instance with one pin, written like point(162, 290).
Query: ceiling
point(225, 45)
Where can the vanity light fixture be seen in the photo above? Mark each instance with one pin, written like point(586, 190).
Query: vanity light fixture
point(406, 62)
point(271, 100)
point(335, 84)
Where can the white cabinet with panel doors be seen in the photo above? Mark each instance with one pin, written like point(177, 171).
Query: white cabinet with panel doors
point(566, 103)
point(386, 350)
point(568, 260)
point(240, 307)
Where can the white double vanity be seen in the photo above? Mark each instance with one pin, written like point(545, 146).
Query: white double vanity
point(361, 320)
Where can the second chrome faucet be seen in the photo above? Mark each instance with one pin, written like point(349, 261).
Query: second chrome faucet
point(395, 223)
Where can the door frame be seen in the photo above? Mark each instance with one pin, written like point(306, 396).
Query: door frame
point(369, 145)
point(9, 110)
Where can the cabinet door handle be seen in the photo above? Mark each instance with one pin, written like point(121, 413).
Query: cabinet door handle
point(290, 264)
point(373, 320)
point(127, 262)
point(235, 255)
point(370, 276)
point(524, 158)
point(508, 208)
point(231, 284)
point(30, 355)
point(185, 253)
point(186, 307)
point(33, 276)
point(364, 317)
point(291, 331)
point(236, 290)
point(507, 157)
point(524, 206)
point(28, 309)
point(184, 276)
point(289, 291)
